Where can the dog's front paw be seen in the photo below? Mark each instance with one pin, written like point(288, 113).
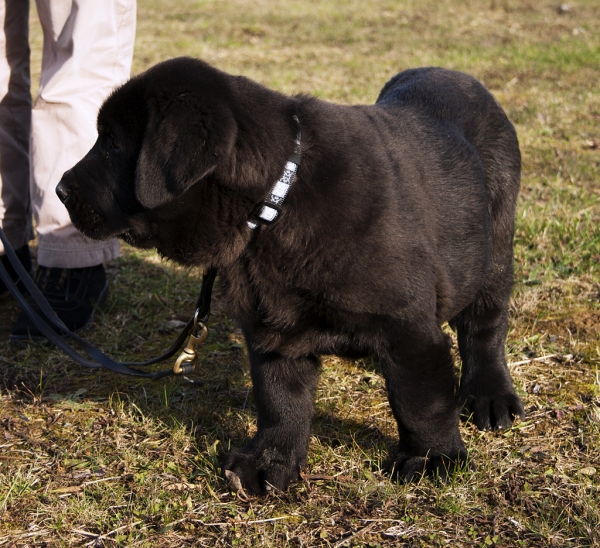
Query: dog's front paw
point(407, 467)
point(261, 471)
point(493, 412)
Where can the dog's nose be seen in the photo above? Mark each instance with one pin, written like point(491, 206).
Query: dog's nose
point(62, 190)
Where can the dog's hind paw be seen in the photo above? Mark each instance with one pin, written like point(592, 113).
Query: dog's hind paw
point(494, 412)
point(408, 467)
point(259, 474)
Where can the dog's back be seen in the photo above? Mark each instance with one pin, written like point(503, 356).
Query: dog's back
point(458, 102)
point(450, 105)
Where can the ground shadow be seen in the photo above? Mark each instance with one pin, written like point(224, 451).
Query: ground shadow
point(149, 301)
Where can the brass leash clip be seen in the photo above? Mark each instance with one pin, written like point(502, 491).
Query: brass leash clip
point(187, 360)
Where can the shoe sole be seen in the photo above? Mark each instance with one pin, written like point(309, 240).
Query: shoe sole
point(42, 338)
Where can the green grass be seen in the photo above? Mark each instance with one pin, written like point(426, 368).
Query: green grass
point(89, 458)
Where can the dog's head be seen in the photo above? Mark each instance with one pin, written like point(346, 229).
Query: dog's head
point(158, 135)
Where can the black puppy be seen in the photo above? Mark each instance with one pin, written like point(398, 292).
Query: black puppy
point(400, 218)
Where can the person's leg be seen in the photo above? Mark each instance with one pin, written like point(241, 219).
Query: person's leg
point(88, 48)
point(15, 123)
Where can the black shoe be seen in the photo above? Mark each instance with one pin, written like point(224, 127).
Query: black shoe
point(25, 258)
point(73, 293)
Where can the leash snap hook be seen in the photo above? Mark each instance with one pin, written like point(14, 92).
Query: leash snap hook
point(188, 359)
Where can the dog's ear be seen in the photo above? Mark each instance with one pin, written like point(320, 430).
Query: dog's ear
point(185, 139)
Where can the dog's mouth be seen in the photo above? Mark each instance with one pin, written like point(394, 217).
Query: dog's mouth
point(139, 235)
point(128, 237)
point(97, 226)
point(94, 231)
point(83, 215)
point(101, 232)
point(87, 220)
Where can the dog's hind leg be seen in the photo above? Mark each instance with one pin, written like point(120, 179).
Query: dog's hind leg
point(486, 388)
point(284, 395)
point(420, 383)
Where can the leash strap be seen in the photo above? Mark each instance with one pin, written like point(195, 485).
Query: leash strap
point(98, 360)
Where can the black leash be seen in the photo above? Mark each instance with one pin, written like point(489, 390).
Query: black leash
point(196, 327)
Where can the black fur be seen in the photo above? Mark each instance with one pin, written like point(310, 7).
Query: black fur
point(401, 219)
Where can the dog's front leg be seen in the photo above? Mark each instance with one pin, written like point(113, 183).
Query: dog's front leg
point(420, 383)
point(284, 395)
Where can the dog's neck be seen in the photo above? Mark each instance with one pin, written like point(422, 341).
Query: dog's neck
point(269, 210)
point(244, 188)
point(214, 238)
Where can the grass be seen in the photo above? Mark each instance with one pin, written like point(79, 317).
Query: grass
point(89, 458)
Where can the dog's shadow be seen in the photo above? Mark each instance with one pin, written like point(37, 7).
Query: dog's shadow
point(149, 302)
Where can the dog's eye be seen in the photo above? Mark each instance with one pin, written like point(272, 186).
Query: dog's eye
point(114, 147)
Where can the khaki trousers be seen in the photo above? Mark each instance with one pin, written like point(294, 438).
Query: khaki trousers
point(88, 48)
